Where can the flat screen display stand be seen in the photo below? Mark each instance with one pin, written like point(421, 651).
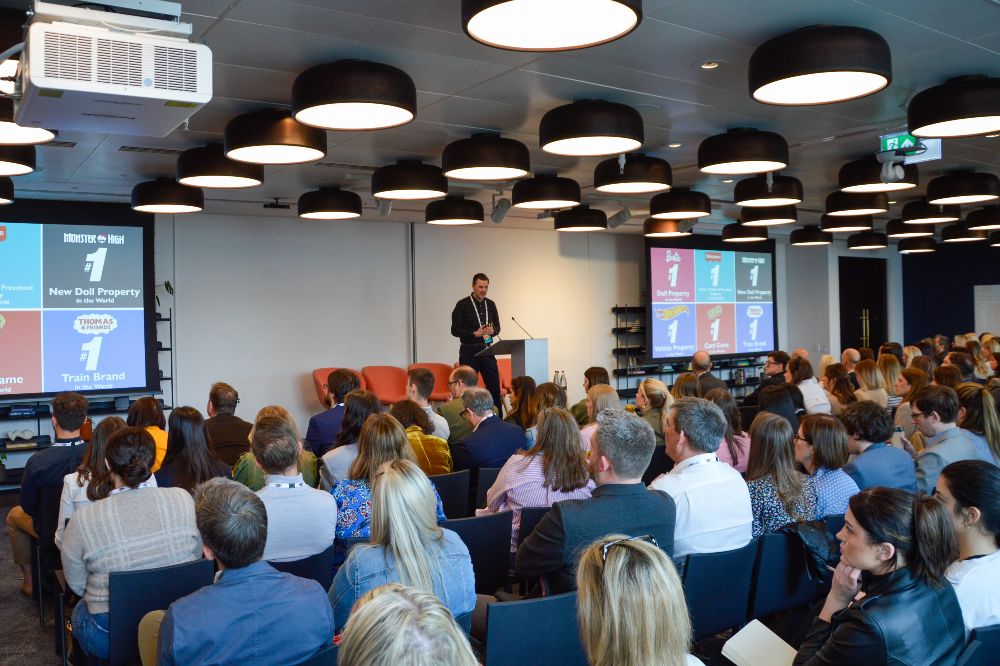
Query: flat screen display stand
point(527, 357)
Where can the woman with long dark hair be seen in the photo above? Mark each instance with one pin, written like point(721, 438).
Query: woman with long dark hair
point(358, 406)
point(147, 413)
point(188, 461)
point(523, 403)
point(736, 447)
point(839, 389)
point(779, 493)
point(910, 381)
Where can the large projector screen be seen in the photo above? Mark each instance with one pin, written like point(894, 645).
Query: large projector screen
point(705, 295)
point(75, 300)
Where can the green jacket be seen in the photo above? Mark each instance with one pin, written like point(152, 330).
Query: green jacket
point(250, 475)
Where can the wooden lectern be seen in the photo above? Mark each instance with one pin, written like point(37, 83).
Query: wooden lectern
point(528, 357)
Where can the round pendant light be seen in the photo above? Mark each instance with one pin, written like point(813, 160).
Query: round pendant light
point(917, 245)
point(654, 228)
point(964, 187)
point(209, 167)
point(272, 136)
point(454, 211)
point(964, 106)
point(553, 25)
point(959, 233)
point(810, 235)
point(768, 217)
point(329, 203)
point(756, 191)
point(641, 174)
point(984, 219)
point(835, 224)
point(485, 157)
point(995, 239)
point(896, 228)
point(354, 95)
point(546, 192)
point(165, 195)
point(13, 134)
point(680, 204)
point(409, 179)
point(820, 65)
point(16, 160)
point(742, 151)
point(867, 240)
point(865, 175)
point(591, 127)
point(847, 204)
point(581, 218)
point(6, 191)
point(740, 233)
point(921, 212)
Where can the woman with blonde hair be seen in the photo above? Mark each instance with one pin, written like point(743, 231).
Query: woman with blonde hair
point(599, 398)
point(393, 625)
point(652, 397)
point(621, 623)
point(825, 361)
point(872, 383)
point(248, 472)
point(686, 386)
point(991, 350)
point(975, 350)
point(910, 352)
point(407, 546)
point(909, 382)
point(779, 493)
point(978, 416)
point(889, 366)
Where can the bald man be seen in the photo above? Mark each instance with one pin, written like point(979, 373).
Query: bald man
point(850, 358)
point(701, 365)
point(802, 353)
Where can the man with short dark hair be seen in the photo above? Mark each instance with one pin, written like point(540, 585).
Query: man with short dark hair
point(701, 366)
point(463, 377)
point(774, 375)
point(248, 616)
point(492, 441)
point(935, 411)
point(965, 365)
point(476, 323)
point(419, 386)
point(226, 433)
point(46, 469)
point(620, 451)
point(595, 375)
point(876, 463)
point(325, 426)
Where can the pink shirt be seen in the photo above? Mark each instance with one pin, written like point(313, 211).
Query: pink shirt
point(743, 446)
point(586, 432)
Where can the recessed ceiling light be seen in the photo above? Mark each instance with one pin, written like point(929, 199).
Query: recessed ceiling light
point(209, 167)
point(581, 218)
point(674, 145)
point(354, 95)
point(329, 203)
point(167, 196)
point(546, 192)
point(591, 127)
point(845, 204)
point(272, 136)
point(963, 106)
point(742, 151)
point(638, 174)
point(680, 204)
point(810, 235)
point(553, 25)
point(768, 190)
point(865, 175)
point(963, 188)
point(410, 180)
point(454, 211)
point(709, 64)
point(740, 233)
point(485, 157)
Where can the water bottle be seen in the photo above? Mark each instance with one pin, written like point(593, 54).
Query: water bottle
point(555, 378)
point(562, 379)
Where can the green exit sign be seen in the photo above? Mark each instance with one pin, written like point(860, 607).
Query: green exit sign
point(900, 141)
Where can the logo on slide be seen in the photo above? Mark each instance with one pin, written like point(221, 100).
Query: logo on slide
point(666, 314)
point(3, 322)
point(95, 325)
point(3, 232)
point(94, 263)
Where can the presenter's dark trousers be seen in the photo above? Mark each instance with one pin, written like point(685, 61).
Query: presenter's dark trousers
point(486, 366)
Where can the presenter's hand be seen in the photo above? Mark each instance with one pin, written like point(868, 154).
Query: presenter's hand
point(480, 332)
point(488, 329)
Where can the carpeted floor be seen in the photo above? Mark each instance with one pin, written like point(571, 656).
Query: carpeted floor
point(22, 641)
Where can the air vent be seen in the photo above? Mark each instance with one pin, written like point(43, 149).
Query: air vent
point(151, 151)
point(68, 56)
point(119, 62)
point(175, 69)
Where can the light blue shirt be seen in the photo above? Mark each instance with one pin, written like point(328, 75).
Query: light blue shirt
point(301, 521)
point(834, 488)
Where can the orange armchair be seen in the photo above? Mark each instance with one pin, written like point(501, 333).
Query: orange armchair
point(319, 381)
point(386, 381)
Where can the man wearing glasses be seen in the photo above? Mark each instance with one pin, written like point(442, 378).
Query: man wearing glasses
point(774, 375)
point(463, 377)
point(935, 411)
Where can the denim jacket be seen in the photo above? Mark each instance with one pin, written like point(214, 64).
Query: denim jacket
point(371, 566)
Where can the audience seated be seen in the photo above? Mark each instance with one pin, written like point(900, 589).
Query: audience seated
point(419, 387)
point(686, 386)
point(774, 374)
point(910, 381)
point(935, 411)
point(713, 503)
point(838, 387)
point(962, 362)
point(132, 529)
point(228, 435)
point(187, 462)
point(523, 403)
point(925, 363)
point(548, 395)
point(850, 358)
point(622, 446)
point(909, 614)
point(888, 365)
point(778, 400)
point(825, 361)
point(799, 372)
point(779, 493)
point(701, 366)
point(872, 383)
point(325, 426)
point(735, 447)
point(821, 448)
point(45, 469)
point(554, 470)
point(358, 406)
point(592, 376)
point(431, 452)
point(910, 352)
point(946, 375)
point(147, 413)
point(978, 416)
point(876, 463)
point(491, 441)
point(394, 625)
point(970, 490)
point(248, 472)
point(599, 398)
point(652, 397)
point(463, 377)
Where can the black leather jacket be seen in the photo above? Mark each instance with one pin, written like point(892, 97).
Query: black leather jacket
point(899, 621)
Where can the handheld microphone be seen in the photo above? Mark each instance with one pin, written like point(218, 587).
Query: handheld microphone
point(522, 328)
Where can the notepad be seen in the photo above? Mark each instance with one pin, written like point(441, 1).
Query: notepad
point(756, 645)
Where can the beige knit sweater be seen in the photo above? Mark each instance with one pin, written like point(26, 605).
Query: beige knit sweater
point(137, 529)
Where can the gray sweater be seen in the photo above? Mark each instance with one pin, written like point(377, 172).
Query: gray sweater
point(132, 530)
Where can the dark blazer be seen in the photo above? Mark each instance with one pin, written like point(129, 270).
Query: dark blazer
point(883, 465)
point(708, 381)
point(228, 437)
point(773, 380)
point(323, 430)
point(493, 442)
point(552, 551)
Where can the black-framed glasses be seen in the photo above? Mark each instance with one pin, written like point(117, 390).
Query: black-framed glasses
point(648, 538)
point(917, 415)
point(454, 381)
point(800, 438)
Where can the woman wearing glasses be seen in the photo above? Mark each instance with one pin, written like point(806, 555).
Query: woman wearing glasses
point(821, 448)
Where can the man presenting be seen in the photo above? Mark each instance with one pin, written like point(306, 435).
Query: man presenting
point(475, 322)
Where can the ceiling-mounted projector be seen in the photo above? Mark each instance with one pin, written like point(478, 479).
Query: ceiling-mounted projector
point(91, 71)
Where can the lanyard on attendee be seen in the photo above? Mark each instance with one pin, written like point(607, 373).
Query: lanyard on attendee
point(144, 484)
point(74, 442)
point(476, 308)
point(702, 461)
point(290, 484)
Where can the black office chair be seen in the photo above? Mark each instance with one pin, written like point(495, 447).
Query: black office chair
point(46, 559)
point(834, 523)
point(974, 654)
point(781, 578)
point(534, 631)
point(659, 464)
point(325, 657)
point(318, 567)
point(717, 588)
point(487, 477)
point(983, 647)
point(454, 491)
point(530, 517)
point(488, 541)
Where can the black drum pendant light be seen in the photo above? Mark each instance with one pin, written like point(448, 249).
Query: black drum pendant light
point(835, 224)
point(485, 157)
point(964, 106)
point(591, 127)
point(765, 190)
point(409, 179)
point(921, 212)
point(867, 240)
point(329, 203)
point(917, 246)
point(740, 233)
point(768, 217)
point(820, 65)
point(581, 218)
point(354, 95)
point(209, 167)
point(16, 160)
point(653, 228)
point(552, 25)
point(984, 219)
point(810, 235)
point(896, 228)
point(546, 192)
point(6, 191)
point(639, 174)
point(865, 175)
point(964, 187)
point(165, 195)
point(13, 134)
point(680, 204)
point(742, 151)
point(454, 211)
point(272, 136)
point(995, 239)
point(847, 204)
point(959, 233)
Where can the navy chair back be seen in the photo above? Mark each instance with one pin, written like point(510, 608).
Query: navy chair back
point(717, 588)
point(325, 657)
point(487, 477)
point(488, 541)
point(974, 654)
point(834, 523)
point(534, 631)
point(132, 594)
point(454, 491)
point(48, 515)
point(983, 647)
point(318, 567)
point(780, 578)
point(530, 517)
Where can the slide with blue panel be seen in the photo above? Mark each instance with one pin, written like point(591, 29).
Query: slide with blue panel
point(20, 265)
point(93, 349)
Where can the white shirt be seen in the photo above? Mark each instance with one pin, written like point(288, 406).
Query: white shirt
point(977, 586)
point(440, 423)
point(73, 497)
point(713, 505)
point(814, 397)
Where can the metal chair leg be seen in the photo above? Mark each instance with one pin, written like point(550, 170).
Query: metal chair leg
point(38, 587)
